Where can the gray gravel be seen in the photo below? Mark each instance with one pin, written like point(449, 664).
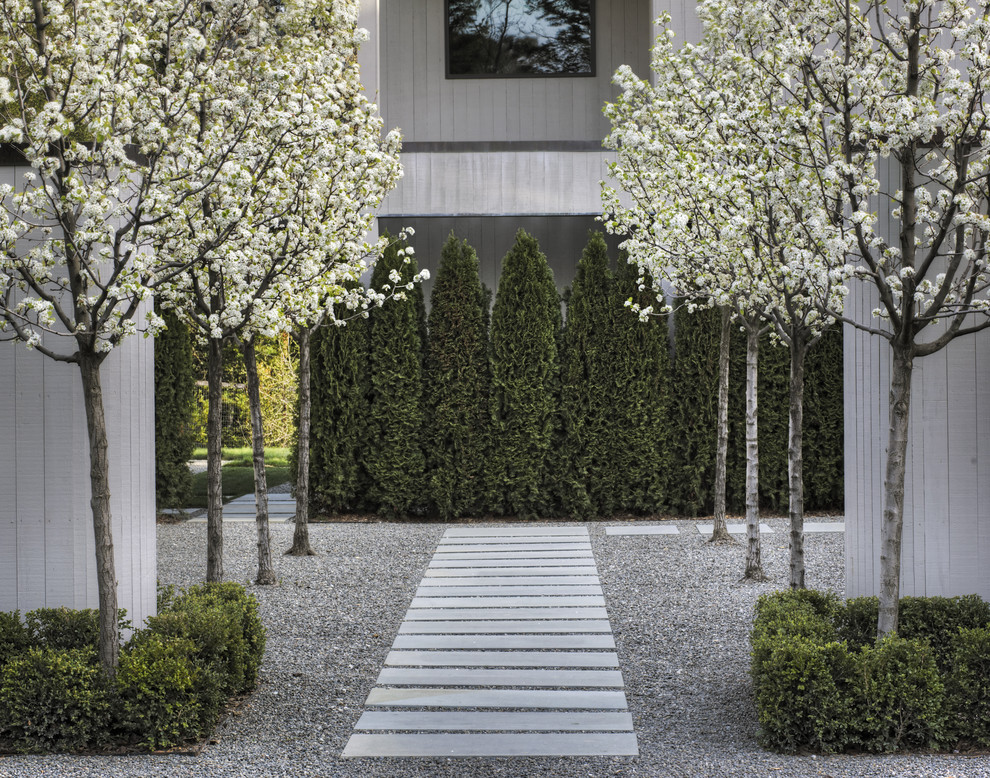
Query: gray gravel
point(680, 619)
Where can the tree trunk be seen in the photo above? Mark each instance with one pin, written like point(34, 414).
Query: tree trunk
point(300, 537)
point(99, 483)
point(266, 573)
point(795, 460)
point(893, 489)
point(720, 532)
point(214, 493)
point(754, 567)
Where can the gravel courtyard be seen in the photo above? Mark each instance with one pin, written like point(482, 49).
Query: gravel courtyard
point(679, 615)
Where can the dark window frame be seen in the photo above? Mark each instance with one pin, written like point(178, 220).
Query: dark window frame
point(458, 76)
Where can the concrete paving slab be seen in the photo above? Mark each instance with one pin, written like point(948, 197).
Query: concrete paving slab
point(494, 721)
point(651, 529)
point(583, 546)
point(471, 614)
point(504, 627)
point(824, 526)
point(541, 601)
point(475, 532)
point(458, 572)
point(498, 555)
point(497, 698)
point(465, 579)
point(485, 744)
point(473, 676)
point(734, 529)
point(486, 641)
point(502, 659)
point(511, 562)
point(498, 591)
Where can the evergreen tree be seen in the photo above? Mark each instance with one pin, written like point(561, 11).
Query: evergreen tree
point(395, 432)
point(175, 405)
point(641, 453)
point(457, 383)
point(525, 325)
point(823, 423)
point(339, 389)
point(695, 406)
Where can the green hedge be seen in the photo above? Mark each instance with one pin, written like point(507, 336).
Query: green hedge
point(823, 683)
point(175, 410)
point(604, 415)
point(174, 678)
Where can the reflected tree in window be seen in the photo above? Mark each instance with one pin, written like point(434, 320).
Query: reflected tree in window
point(519, 37)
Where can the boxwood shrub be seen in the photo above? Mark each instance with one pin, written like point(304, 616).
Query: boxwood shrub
point(823, 683)
point(174, 680)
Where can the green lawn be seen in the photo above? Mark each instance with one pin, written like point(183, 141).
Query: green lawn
point(241, 457)
point(237, 480)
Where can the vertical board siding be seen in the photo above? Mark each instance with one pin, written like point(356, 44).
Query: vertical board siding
point(428, 106)
point(47, 549)
point(945, 548)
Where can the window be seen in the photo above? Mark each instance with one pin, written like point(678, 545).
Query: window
point(506, 38)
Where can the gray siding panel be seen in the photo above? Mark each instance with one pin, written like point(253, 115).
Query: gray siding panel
point(428, 106)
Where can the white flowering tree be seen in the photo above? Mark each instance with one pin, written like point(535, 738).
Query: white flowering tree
point(888, 106)
point(711, 207)
point(291, 154)
point(75, 270)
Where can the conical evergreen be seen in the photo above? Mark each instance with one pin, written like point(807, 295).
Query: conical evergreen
point(695, 409)
point(823, 425)
point(457, 384)
point(641, 440)
point(395, 431)
point(339, 389)
point(525, 325)
point(175, 404)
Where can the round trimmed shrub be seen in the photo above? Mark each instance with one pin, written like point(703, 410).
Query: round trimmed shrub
point(65, 629)
point(164, 696)
point(53, 700)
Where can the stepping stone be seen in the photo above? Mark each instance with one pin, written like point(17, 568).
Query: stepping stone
point(556, 679)
point(444, 572)
point(470, 614)
point(500, 591)
point(497, 641)
point(514, 540)
point(497, 698)
point(450, 555)
point(503, 627)
point(501, 532)
point(651, 529)
point(445, 744)
point(734, 529)
point(824, 526)
point(493, 721)
point(545, 601)
point(472, 578)
point(510, 562)
point(527, 546)
point(502, 659)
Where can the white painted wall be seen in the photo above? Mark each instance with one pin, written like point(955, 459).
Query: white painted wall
point(47, 551)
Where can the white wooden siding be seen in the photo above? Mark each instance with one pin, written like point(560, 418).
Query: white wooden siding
point(47, 550)
point(427, 106)
point(946, 541)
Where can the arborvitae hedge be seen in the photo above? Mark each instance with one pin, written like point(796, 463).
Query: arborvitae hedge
point(642, 442)
point(457, 384)
point(586, 395)
point(339, 387)
point(695, 410)
point(175, 404)
point(823, 424)
point(526, 321)
point(396, 430)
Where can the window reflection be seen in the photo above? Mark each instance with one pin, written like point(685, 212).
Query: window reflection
point(519, 37)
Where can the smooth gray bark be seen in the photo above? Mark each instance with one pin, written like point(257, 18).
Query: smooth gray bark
point(795, 462)
point(754, 566)
point(266, 572)
point(300, 536)
point(720, 531)
point(99, 468)
point(893, 488)
point(214, 454)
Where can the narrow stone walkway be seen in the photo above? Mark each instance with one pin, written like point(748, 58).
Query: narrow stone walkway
point(506, 650)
